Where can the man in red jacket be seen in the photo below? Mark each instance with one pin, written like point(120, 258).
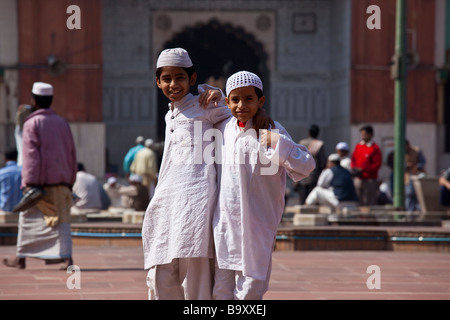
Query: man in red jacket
point(366, 161)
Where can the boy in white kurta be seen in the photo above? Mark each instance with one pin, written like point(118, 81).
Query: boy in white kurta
point(252, 182)
point(176, 232)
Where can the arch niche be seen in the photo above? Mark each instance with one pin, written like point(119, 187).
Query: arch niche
point(217, 51)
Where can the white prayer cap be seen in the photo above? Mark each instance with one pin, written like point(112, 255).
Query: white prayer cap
point(149, 142)
point(112, 180)
point(176, 57)
point(334, 157)
point(42, 89)
point(243, 79)
point(140, 139)
point(342, 146)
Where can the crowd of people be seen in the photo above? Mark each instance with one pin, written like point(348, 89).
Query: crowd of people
point(209, 227)
point(330, 186)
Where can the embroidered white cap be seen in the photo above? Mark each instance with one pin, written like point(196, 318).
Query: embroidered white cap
point(175, 57)
point(342, 146)
point(243, 79)
point(42, 89)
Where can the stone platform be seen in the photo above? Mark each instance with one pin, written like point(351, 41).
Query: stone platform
point(302, 228)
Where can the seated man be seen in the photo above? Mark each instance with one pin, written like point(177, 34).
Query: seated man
point(444, 184)
point(335, 185)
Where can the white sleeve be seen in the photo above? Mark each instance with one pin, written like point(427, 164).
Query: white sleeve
point(325, 178)
point(215, 114)
point(295, 158)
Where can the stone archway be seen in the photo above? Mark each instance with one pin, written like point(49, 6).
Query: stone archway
point(218, 50)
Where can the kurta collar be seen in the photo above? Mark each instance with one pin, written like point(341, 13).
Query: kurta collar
point(182, 103)
point(369, 144)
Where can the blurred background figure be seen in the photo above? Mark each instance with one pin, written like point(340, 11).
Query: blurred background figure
point(343, 150)
point(112, 187)
point(366, 162)
point(23, 111)
point(414, 166)
point(89, 190)
point(335, 185)
point(316, 147)
point(444, 183)
point(145, 165)
point(135, 196)
point(10, 180)
point(129, 157)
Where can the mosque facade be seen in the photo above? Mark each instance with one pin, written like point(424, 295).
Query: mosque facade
point(319, 61)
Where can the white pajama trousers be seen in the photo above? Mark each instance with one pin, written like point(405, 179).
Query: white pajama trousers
point(182, 279)
point(322, 196)
point(233, 285)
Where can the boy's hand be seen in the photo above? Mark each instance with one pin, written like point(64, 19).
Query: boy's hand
point(210, 96)
point(261, 120)
point(269, 138)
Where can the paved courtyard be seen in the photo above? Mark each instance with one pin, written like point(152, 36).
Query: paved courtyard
point(116, 273)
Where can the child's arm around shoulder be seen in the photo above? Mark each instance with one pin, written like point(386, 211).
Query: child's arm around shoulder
point(279, 147)
point(213, 100)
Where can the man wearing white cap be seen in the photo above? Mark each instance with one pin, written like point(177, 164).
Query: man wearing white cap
point(49, 163)
point(252, 183)
point(176, 232)
point(335, 185)
point(343, 150)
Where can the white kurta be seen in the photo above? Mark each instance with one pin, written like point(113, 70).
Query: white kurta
point(177, 222)
point(251, 200)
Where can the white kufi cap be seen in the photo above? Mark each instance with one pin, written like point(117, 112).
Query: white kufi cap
point(334, 157)
point(342, 146)
point(243, 79)
point(42, 89)
point(176, 57)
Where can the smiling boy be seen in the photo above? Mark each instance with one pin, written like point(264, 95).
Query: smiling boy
point(251, 202)
point(176, 232)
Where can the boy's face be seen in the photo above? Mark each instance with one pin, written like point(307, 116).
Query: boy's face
point(175, 83)
point(244, 103)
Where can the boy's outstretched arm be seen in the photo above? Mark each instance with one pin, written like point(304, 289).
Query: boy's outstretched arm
point(279, 148)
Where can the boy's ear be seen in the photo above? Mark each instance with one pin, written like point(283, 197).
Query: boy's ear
point(158, 82)
point(193, 79)
point(261, 101)
point(227, 102)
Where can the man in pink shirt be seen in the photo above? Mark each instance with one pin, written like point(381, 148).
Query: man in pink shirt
point(366, 161)
point(49, 163)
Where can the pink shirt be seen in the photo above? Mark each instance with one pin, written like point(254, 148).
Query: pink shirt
point(49, 156)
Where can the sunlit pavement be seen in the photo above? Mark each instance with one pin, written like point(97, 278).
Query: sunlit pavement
point(117, 273)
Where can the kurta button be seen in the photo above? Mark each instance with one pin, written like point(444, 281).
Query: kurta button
point(171, 130)
point(172, 117)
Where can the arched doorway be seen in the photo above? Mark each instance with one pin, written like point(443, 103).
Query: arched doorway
point(217, 51)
